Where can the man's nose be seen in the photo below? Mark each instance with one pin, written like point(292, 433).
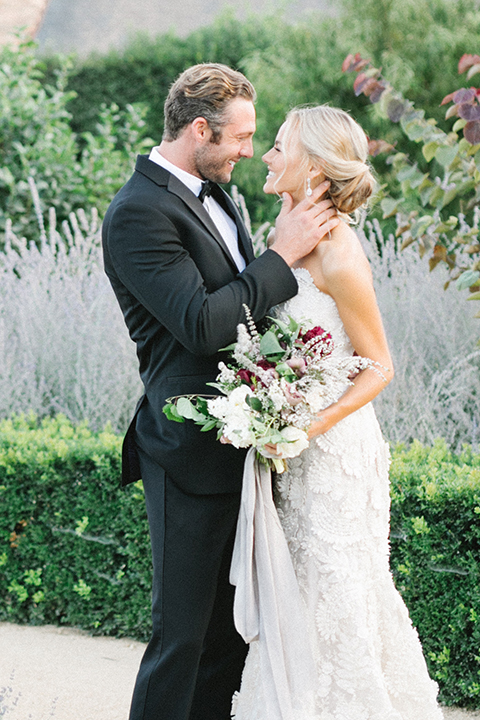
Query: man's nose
point(247, 149)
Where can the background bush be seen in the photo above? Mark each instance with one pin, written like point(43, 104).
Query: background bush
point(64, 346)
point(432, 338)
point(36, 139)
point(74, 547)
point(435, 560)
point(291, 64)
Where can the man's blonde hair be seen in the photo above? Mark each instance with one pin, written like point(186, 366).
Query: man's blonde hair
point(204, 90)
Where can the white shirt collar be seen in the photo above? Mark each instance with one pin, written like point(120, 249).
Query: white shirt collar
point(191, 181)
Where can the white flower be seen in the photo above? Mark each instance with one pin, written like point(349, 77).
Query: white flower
point(237, 416)
point(296, 441)
point(237, 397)
point(226, 375)
point(244, 341)
point(315, 398)
point(218, 407)
point(276, 396)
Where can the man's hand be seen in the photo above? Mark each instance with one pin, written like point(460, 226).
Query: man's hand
point(298, 230)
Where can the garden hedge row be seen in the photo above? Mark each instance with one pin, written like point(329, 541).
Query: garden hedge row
point(74, 547)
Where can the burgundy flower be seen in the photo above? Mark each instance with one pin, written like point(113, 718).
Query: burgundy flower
point(265, 364)
point(247, 377)
point(323, 344)
point(314, 332)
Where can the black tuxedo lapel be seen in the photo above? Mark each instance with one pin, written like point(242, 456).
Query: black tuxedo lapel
point(243, 237)
point(162, 177)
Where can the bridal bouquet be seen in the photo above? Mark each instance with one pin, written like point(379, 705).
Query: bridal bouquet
point(272, 388)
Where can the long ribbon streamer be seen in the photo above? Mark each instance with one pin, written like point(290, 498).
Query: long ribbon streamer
point(268, 607)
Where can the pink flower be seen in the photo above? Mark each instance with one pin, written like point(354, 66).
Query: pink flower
point(292, 394)
point(298, 365)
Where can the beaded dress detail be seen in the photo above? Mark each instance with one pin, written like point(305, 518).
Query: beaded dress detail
point(333, 503)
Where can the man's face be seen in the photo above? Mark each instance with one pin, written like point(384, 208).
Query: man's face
point(215, 161)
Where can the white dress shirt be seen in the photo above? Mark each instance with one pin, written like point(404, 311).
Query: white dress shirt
point(225, 224)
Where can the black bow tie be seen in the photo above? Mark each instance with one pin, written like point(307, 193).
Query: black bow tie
point(207, 188)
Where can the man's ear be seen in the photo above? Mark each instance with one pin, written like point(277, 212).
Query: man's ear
point(201, 130)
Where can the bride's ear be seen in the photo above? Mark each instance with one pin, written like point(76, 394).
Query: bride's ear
point(316, 175)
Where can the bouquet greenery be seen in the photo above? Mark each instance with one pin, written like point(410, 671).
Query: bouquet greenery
point(272, 388)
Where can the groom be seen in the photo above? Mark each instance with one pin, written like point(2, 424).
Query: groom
point(182, 267)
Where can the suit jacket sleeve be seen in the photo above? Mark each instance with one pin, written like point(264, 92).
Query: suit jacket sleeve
point(149, 258)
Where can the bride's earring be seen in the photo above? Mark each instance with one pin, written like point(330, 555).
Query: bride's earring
point(309, 188)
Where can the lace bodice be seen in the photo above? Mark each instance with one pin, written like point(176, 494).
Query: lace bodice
point(314, 306)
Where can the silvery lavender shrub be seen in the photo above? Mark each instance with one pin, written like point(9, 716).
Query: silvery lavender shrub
point(433, 338)
point(64, 347)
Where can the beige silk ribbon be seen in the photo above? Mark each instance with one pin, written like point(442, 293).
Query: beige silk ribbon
point(268, 607)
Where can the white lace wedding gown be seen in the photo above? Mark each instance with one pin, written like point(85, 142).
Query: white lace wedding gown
point(333, 504)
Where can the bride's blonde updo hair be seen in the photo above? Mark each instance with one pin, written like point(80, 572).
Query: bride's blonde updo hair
point(331, 139)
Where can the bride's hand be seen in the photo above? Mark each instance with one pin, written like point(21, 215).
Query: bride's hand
point(272, 449)
point(320, 425)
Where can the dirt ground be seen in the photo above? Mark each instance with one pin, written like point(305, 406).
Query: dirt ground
point(63, 673)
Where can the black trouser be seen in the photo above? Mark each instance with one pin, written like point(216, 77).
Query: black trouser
point(194, 660)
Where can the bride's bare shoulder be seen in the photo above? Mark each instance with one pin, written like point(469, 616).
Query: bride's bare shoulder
point(342, 254)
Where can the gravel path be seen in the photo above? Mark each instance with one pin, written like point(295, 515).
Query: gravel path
point(63, 673)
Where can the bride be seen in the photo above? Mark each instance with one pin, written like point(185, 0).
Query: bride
point(333, 502)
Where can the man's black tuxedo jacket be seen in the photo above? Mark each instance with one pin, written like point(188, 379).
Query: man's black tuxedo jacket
point(182, 297)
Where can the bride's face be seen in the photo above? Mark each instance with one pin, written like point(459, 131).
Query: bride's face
point(284, 169)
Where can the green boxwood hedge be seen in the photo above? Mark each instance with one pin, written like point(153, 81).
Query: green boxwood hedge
point(74, 547)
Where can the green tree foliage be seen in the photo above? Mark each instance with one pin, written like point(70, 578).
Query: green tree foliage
point(291, 64)
point(37, 140)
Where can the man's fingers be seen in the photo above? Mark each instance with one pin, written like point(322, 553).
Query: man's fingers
point(326, 214)
point(322, 207)
point(319, 191)
point(287, 202)
point(328, 226)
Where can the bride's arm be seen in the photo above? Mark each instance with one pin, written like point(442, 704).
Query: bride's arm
point(347, 278)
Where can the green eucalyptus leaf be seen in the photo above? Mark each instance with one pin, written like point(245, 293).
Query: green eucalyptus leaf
point(188, 410)
point(467, 279)
point(446, 155)
point(171, 412)
point(429, 150)
point(209, 425)
point(269, 344)
point(389, 206)
point(254, 403)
